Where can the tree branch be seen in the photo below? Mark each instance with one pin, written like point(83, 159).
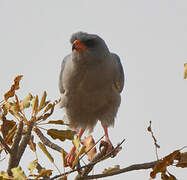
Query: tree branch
point(47, 142)
point(87, 168)
point(13, 161)
point(25, 140)
point(124, 170)
point(2, 141)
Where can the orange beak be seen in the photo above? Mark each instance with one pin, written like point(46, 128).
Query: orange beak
point(78, 46)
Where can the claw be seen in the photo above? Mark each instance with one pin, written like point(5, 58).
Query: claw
point(70, 157)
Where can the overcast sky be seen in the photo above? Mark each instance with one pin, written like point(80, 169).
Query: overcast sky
point(150, 36)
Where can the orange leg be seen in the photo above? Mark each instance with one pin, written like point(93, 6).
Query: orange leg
point(71, 155)
point(110, 146)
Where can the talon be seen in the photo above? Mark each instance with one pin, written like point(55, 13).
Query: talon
point(70, 157)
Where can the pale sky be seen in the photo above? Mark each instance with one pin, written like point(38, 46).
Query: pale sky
point(150, 36)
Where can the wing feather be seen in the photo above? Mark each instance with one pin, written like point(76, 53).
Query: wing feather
point(60, 82)
point(119, 73)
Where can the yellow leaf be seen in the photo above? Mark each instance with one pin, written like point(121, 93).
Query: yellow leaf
point(46, 115)
point(12, 107)
point(32, 166)
point(109, 170)
point(35, 105)
point(4, 175)
point(76, 143)
point(185, 70)
point(43, 101)
point(18, 173)
point(43, 148)
point(25, 103)
point(82, 150)
point(56, 122)
point(49, 106)
point(61, 134)
point(44, 173)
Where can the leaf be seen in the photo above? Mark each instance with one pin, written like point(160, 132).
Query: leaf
point(162, 164)
point(25, 103)
point(90, 147)
point(45, 173)
point(46, 115)
point(49, 106)
point(61, 134)
point(76, 143)
point(185, 70)
point(4, 176)
point(12, 108)
point(82, 150)
point(32, 145)
point(32, 166)
point(164, 176)
point(64, 158)
point(18, 173)
point(17, 103)
point(109, 170)
point(43, 101)
point(182, 160)
point(45, 151)
point(14, 87)
point(5, 111)
point(35, 105)
point(172, 177)
point(6, 126)
point(10, 135)
point(56, 122)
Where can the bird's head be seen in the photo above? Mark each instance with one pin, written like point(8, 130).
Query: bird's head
point(84, 44)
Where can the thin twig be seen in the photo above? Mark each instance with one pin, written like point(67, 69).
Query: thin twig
point(154, 139)
point(100, 158)
point(133, 167)
point(47, 142)
point(96, 159)
point(91, 147)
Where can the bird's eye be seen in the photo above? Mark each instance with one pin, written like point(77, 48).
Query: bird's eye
point(89, 43)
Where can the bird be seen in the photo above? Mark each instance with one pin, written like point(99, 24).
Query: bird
point(91, 81)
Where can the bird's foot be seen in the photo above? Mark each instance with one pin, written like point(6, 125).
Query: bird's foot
point(110, 148)
point(70, 157)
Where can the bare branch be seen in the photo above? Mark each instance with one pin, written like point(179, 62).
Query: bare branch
point(154, 139)
point(87, 168)
point(25, 140)
point(13, 161)
point(124, 170)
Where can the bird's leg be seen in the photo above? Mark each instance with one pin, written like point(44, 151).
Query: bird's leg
point(71, 155)
point(110, 146)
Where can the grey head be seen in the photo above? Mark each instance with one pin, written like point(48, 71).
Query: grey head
point(92, 45)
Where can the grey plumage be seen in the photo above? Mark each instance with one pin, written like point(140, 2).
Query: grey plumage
point(90, 83)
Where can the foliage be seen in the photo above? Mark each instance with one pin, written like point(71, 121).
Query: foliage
point(19, 129)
